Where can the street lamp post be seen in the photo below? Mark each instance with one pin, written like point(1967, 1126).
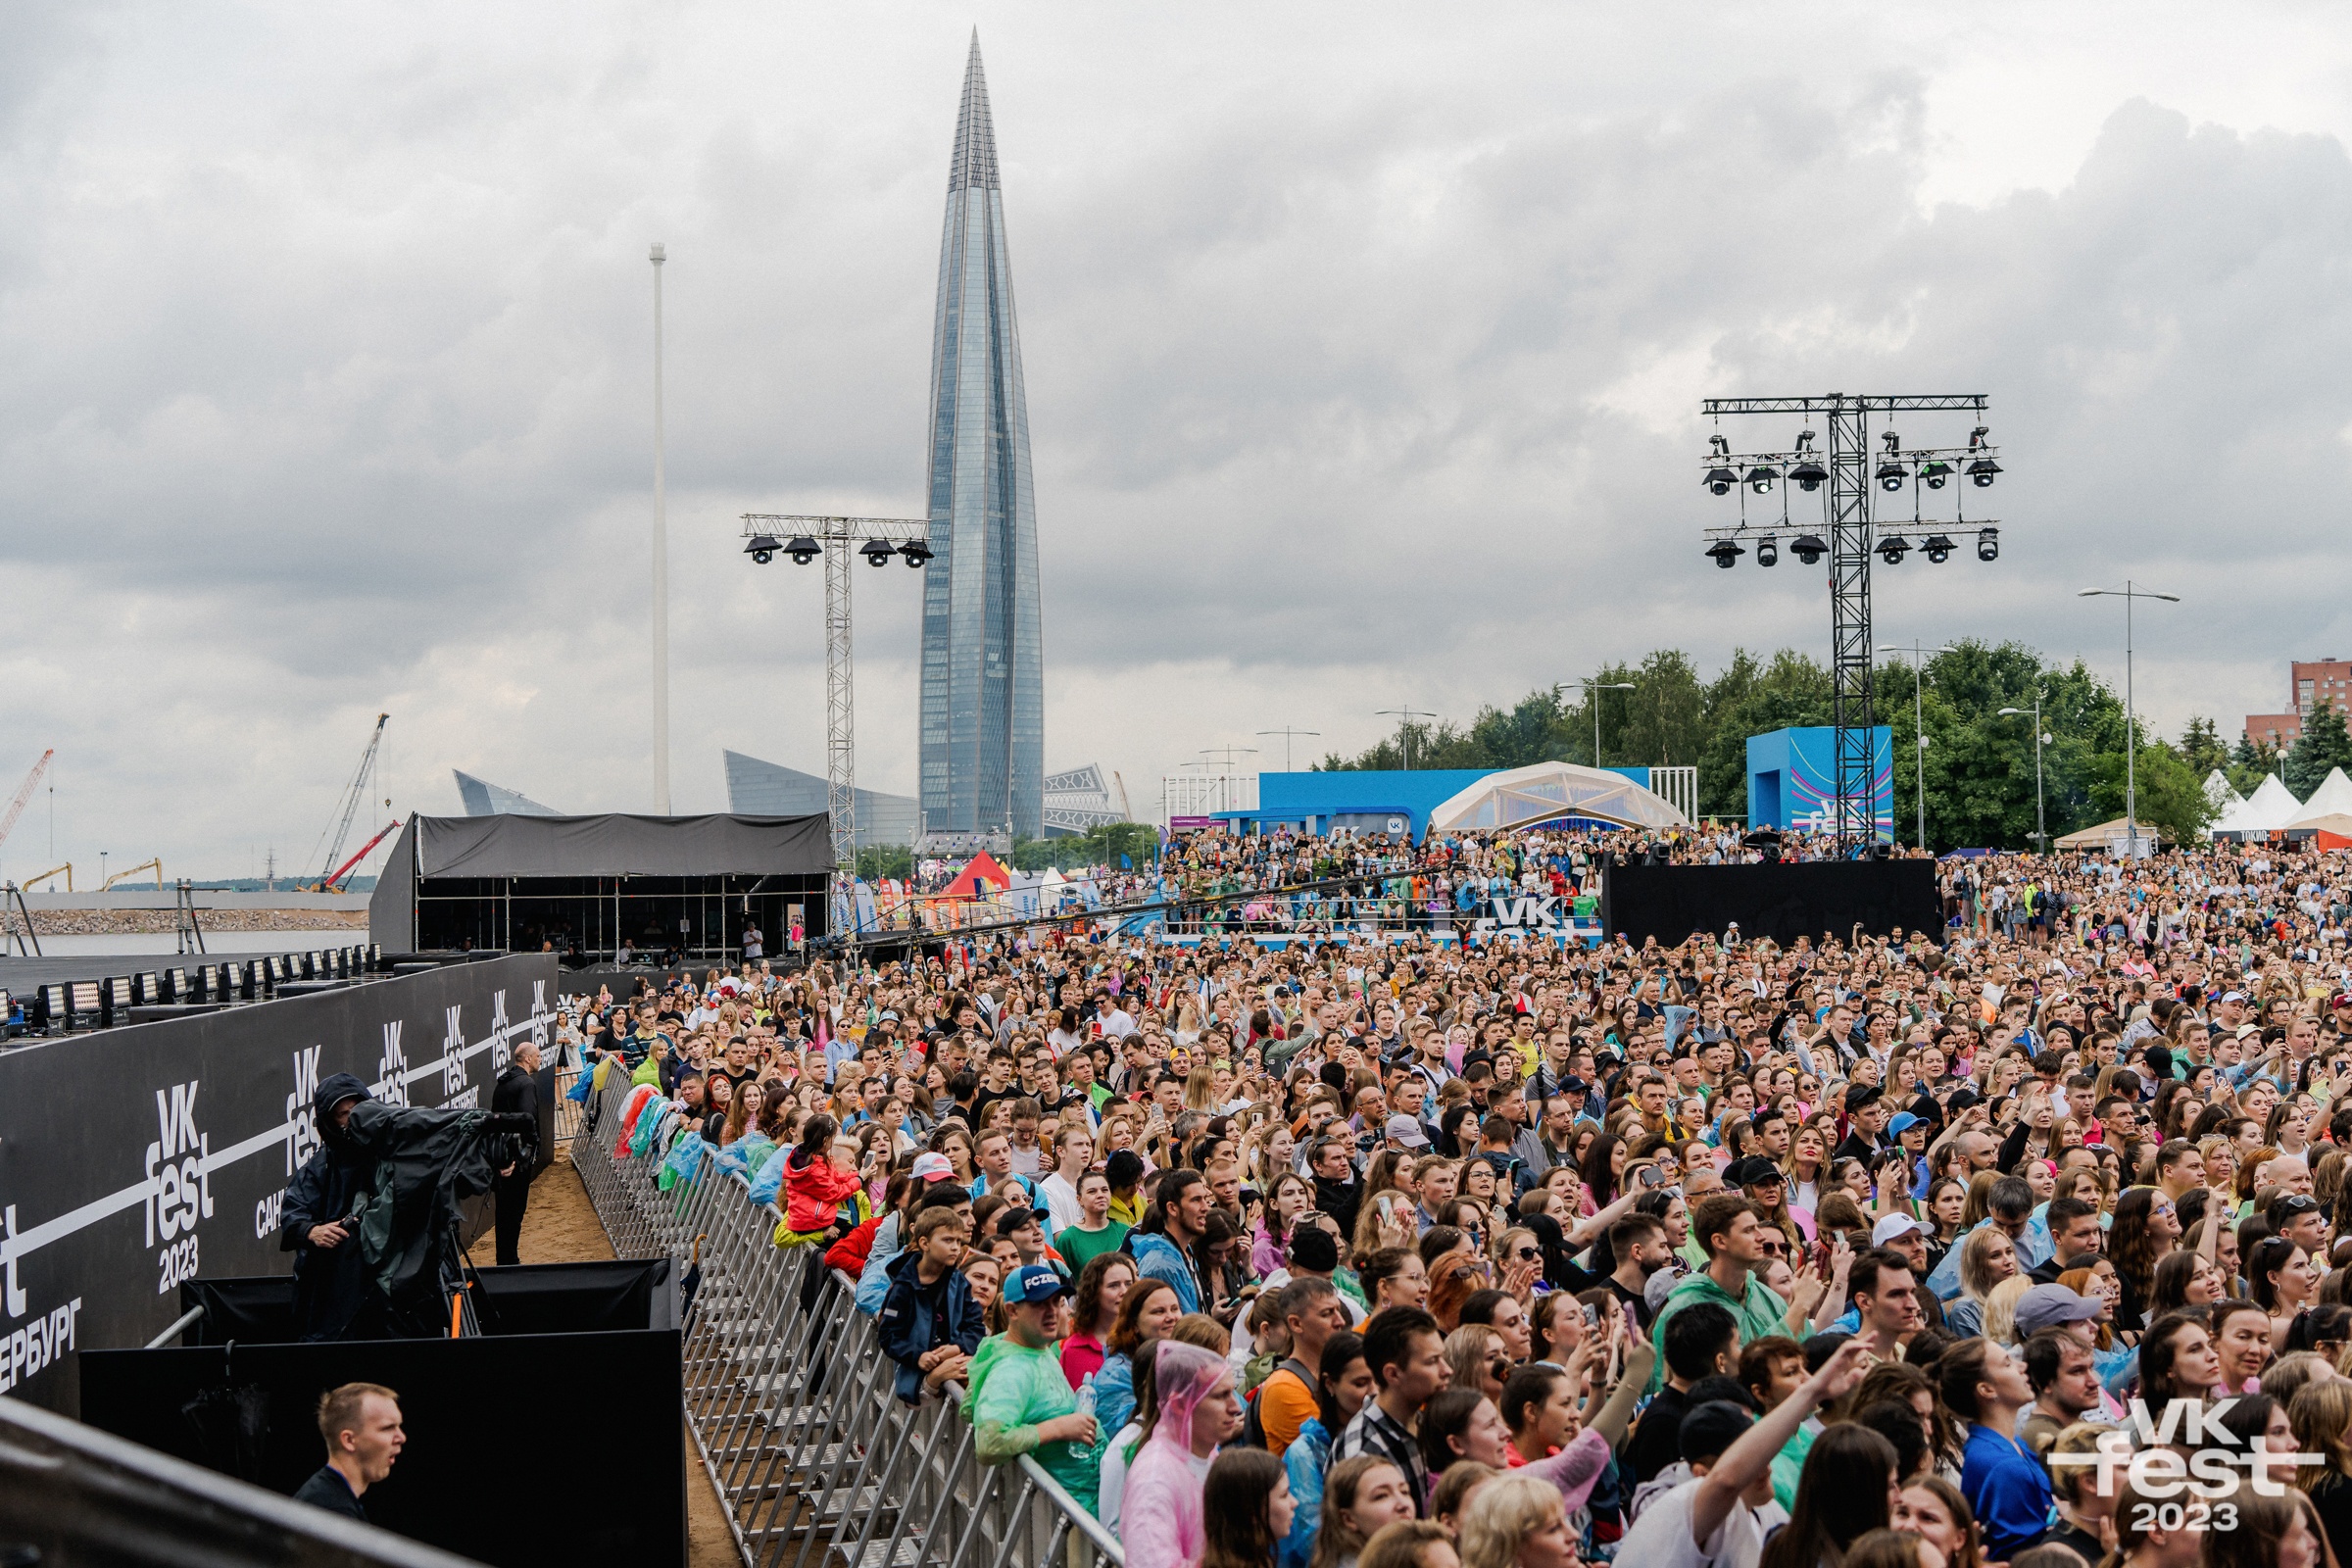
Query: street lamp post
point(2126, 593)
point(2040, 827)
point(1919, 723)
point(1404, 728)
point(1288, 735)
point(1597, 686)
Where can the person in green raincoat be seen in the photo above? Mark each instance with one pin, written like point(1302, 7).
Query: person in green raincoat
point(1017, 1396)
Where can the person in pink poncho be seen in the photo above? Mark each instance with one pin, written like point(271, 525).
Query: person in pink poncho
point(1159, 1516)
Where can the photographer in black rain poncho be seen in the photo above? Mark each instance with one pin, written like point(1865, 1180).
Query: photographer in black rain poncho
point(372, 1219)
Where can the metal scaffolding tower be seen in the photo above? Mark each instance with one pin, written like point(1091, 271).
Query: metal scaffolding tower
point(879, 541)
point(1843, 466)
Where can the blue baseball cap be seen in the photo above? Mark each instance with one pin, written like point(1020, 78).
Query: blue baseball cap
point(1903, 1122)
point(1034, 1282)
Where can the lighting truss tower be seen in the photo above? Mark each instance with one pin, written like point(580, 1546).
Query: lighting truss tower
point(1843, 468)
point(879, 540)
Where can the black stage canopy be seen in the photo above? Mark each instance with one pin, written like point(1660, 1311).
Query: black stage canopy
point(588, 884)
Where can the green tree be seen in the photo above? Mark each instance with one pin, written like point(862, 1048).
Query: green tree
point(2170, 794)
point(2201, 747)
point(2250, 763)
point(894, 860)
point(2325, 745)
point(1749, 699)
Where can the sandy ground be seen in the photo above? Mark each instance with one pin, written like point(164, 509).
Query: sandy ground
point(561, 1227)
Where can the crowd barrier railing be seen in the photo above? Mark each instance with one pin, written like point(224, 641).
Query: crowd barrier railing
point(791, 1401)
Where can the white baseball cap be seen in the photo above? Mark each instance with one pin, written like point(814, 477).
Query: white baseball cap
point(933, 1167)
point(1891, 1226)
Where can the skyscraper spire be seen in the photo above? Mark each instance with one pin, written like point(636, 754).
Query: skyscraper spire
point(975, 161)
point(983, 738)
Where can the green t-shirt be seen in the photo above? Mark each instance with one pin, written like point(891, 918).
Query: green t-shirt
point(1012, 1385)
point(1080, 1247)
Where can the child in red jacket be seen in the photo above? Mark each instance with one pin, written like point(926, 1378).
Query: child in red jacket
point(816, 1180)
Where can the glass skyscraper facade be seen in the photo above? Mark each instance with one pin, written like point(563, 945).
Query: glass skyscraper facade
point(983, 749)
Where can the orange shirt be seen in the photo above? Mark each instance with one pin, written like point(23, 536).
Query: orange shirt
point(1284, 1405)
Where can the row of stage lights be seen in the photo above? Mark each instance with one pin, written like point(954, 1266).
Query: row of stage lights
point(765, 548)
point(1897, 468)
point(1809, 548)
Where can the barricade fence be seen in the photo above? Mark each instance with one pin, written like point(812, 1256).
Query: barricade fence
point(790, 1398)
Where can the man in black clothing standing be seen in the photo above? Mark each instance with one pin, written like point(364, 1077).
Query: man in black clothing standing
point(517, 1093)
point(361, 1423)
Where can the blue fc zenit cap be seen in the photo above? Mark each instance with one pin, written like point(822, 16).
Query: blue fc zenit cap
point(1035, 1282)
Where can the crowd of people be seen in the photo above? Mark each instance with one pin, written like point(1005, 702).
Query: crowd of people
point(1874, 1253)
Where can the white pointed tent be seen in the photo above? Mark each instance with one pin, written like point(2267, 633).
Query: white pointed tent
point(2218, 793)
point(2333, 798)
point(1548, 791)
point(2268, 809)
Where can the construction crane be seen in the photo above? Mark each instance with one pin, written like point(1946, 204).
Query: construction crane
point(32, 781)
point(335, 880)
point(340, 827)
point(156, 866)
point(66, 868)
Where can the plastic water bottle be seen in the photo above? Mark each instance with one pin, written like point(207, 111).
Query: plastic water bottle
point(1086, 1396)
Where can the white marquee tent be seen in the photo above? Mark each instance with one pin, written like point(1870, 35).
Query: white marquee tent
point(2268, 809)
point(1548, 791)
point(2333, 798)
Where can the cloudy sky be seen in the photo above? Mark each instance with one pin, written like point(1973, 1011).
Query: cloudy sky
point(1363, 346)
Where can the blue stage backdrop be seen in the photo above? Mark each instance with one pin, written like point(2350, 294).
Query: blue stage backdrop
point(1792, 777)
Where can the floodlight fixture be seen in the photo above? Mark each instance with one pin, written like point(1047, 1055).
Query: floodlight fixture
point(1935, 473)
point(763, 548)
point(1988, 543)
point(1893, 548)
point(1937, 548)
point(1891, 476)
point(918, 554)
point(877, 552)
point(1808, 475)
point(1760, 477)
point(802, 550)
point(1726, 553)
point(1808, 548)
point(1767, 551)
point(1981, 472)
point(1721, 481)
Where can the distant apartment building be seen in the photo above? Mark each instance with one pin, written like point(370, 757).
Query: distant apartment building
point(2313, 680)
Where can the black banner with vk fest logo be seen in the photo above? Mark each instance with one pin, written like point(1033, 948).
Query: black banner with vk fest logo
point(135, 1158)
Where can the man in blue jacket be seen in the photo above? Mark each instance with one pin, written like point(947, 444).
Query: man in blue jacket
point(1162, 1248)
point(929, 1323)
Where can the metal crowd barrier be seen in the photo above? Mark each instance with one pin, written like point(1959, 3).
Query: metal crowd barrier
point(791, 1399)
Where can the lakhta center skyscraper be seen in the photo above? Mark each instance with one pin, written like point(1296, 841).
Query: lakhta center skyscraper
point(983, 717)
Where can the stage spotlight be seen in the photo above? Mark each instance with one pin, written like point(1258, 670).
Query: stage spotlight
point(1808, 475)
point(1722, 480)
point(1891, 476)
point(1719, 445)
point(1893, 548)
point(1759, 479)
point(763, 548)
point(803, 551)
point(1988, 543)
point(1933, 472)
point(1727, 552)
point(1937, 548)
point(1981, 472)
point(1808, 548)
point(916, 552)
point(1767, 551)
point(877, 552)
